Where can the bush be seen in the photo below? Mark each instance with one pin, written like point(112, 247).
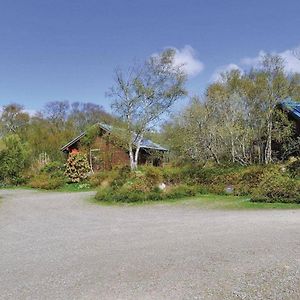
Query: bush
point(55, 168)
point(13, 160)
point(123, 174)
point(277, 187)
point(45, 181)
point(172, 175)
point(153, 175)
point(121, 195)
point(103, 178)
point(128, 195)
point(77, 167)
point(294, 167)
point(264, 183)
point(181, 191)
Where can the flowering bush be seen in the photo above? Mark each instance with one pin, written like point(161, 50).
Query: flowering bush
point(77, 167)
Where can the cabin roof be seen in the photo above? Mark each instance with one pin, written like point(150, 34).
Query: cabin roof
point(145, 143)
point(292, 107)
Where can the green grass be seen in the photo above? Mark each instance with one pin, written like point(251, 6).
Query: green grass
point(16, 187)
point(68, 187)
point(74, 187)
point(210, 201)
point(234, 202)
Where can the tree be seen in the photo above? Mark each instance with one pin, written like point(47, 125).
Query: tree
point(56, 112)
point(14, 119)
point(13, 159)
point(87, 114)
point(272, 86)
point(238, 120)
point(143, 95)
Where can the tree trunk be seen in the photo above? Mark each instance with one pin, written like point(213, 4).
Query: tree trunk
point(232, 150)
point(214, 155)
point(134, 156)
point(268, 149)
point(131, 158)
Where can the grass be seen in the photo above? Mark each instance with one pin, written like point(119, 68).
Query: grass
point(210, 201)
point(75, 187)
point(16, 187)
point(234, 202)
point(68, 187)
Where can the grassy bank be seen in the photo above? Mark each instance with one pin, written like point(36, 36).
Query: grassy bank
point(209, 201)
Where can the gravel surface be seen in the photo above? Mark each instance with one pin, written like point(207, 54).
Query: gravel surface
point(60, 246)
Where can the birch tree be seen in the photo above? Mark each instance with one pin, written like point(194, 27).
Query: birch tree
point(143, 95)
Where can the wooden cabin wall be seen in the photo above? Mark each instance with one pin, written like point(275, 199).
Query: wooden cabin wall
point(106, 155)
point(110, 155)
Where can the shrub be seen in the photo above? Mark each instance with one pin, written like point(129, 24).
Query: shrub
point(153, 175)
point(77, 167)
point(294, 167)
point(172, 175)
point(129, 195)
point(138, 182)
point(181, 191)
point(123, 174)
point(55, 168)
point(103, 178)
point(45, 181)
point(13, 160)
point(277, 187)
point(121, 195)
point(248, 179)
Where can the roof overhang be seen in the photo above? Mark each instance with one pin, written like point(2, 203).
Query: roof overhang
point(146, 144)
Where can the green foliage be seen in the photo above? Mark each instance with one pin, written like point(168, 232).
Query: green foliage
point(153, 175)
point(13, 160)
point(50, 177)
point(55, 168)
point(121, 195)
point(294, 167)
point(75, 187)
point(142, 96)
point(172, 175)
point(215, 179)
point(45, 181)
point(90, 134)
point(181, 191)
point(77, 167)
point(123, 174)
point(238, 120)
point(103, 178)
point(128, 195)
point(189, 181)
point(277, 186)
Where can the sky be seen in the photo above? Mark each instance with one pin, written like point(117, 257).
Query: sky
point(68, 49)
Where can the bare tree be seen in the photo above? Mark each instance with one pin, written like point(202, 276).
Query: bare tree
point(56, 112)
point(144, 94)
point(13, 119)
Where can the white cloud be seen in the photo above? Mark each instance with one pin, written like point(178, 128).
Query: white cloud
point(217, 75)
point(187, 58)
point(253, 61)
point(292, 62)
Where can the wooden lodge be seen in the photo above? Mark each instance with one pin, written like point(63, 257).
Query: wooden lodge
point(105, 153)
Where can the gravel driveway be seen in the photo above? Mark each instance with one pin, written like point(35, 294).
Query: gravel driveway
point(60, 246)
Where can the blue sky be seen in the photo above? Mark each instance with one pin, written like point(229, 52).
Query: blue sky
point(68, 49)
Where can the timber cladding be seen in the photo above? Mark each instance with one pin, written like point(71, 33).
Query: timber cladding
point(108, 155)
point(106, 151)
